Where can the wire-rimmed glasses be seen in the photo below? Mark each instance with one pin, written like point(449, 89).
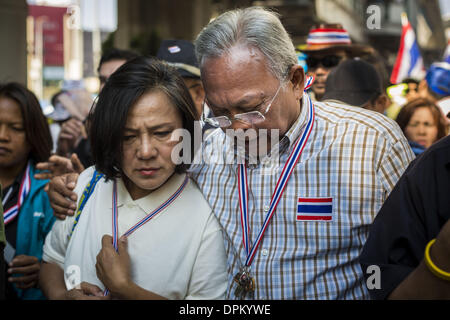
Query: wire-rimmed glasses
point(252, 117)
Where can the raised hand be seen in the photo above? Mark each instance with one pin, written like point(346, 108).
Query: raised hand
point(57, 166)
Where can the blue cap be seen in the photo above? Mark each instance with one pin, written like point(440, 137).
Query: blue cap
point(438, 78)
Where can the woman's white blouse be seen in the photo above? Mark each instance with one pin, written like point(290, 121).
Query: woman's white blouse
point(179, 254)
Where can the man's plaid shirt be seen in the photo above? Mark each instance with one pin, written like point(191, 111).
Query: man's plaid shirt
point(354, 156)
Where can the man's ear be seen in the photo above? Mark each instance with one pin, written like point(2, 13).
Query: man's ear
point(297, 79)
point(382, 103)
point(199, 93)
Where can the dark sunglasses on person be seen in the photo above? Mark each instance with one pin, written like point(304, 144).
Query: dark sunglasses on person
point(329, 61)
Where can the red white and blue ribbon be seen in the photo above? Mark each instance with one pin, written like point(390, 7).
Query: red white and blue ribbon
point(24, 189)
point(308, 83)
point(144, 220)
point(279, 189)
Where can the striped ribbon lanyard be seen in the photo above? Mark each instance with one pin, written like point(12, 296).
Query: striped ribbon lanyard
point(279, 189)
point(308, 83)
point(147, 218)
point(25, 186)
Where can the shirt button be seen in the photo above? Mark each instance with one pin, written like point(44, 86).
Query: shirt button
point(266, 208)
point(265, 252)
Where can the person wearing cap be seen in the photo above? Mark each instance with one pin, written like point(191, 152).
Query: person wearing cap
point(409, 240)
point(326, 46)
point(180, 54)
point(357, 83)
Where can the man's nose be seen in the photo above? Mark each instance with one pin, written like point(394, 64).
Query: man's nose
point(239, 124)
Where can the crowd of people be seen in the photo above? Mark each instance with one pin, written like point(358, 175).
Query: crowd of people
point(300, 183)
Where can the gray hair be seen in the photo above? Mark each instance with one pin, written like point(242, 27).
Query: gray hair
point(256, 27)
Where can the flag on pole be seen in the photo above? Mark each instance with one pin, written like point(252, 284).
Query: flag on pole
point(409, 63)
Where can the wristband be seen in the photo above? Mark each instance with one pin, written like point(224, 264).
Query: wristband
point(432, 267)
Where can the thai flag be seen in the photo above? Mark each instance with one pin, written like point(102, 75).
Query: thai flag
point(315, 209)
point(409, 63)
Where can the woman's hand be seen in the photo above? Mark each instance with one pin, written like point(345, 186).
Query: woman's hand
point(113, 268)
point(28, 267)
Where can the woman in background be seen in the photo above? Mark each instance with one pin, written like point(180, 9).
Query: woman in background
point(422, 123)
point(24, 140)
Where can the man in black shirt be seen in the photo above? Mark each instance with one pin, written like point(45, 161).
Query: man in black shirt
point(416, 212)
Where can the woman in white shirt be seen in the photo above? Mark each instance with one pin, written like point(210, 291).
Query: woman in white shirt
point(137, 201)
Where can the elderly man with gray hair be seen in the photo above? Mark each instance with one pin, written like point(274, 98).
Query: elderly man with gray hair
point(296, 223)
point(295, 211)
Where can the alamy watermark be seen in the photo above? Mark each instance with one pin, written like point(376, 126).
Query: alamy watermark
point(374, 279)
point(74, 19)
point(373, 21)
point(72, 277)
point(250, 146)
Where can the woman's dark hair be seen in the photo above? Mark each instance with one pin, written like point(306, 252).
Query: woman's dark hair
point(408, 110)
point(35, 124)
point(122, 90)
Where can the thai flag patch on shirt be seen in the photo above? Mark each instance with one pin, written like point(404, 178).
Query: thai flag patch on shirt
point(315, 209)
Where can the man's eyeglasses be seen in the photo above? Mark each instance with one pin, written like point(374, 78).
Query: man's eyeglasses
point(329, 61)
point(252, 117)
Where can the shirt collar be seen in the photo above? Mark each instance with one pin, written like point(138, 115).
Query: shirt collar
point(154, 199)
point(15, 186)
point(335, 101)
